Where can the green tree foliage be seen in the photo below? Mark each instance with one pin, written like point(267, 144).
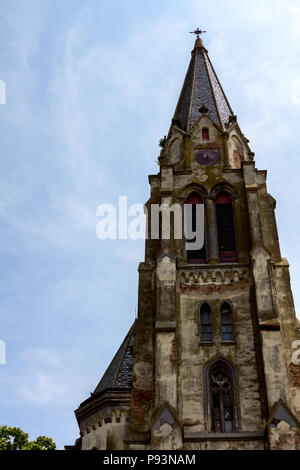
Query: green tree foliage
point(16, 439)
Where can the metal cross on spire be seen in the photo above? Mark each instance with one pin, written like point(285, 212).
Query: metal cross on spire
point(198, 32)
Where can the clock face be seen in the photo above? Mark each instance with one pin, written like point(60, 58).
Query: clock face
point(207, 157)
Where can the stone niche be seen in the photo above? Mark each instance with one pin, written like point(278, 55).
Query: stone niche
point(283, 429)
point(166, 432)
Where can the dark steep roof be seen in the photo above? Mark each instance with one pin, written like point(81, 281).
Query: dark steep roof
point(201, 88)
point(119, 373)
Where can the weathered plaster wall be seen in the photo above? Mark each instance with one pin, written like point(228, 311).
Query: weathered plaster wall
point(195, 355)
point(275, 369)
point(225, 445)
point(290, 333)
point(283, 437)
point(165, 370)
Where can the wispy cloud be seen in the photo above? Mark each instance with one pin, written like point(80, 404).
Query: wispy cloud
point(48, 377)
point(90, 90)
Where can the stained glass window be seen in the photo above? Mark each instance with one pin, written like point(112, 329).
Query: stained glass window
point(222, 398)
point(226, 322)
point(206, 330)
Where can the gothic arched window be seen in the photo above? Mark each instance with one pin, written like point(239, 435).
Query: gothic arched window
point(206, 330)
point(195, 256)
point(226, 322)
point(205, 134)
point(226, 230)
point(222, 398)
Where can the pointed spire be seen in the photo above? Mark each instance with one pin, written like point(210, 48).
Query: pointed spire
point(199, 44)
point(201, 93)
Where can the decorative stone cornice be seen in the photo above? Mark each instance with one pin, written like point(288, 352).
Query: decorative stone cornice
point(103, 418)
point(270, 325)
point(219, 275)
point(103, 401)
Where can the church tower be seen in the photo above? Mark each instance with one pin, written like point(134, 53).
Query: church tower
point(213, 360)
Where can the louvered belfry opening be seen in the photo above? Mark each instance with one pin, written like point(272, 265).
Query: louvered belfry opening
point(195, 256)
point(226, 230)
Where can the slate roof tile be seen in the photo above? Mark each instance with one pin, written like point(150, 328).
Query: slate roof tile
point(201, 87)
point(119, 372)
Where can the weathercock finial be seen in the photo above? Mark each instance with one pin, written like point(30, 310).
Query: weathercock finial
point(198, 32)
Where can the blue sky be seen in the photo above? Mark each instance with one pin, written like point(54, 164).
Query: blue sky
point(91, 88)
